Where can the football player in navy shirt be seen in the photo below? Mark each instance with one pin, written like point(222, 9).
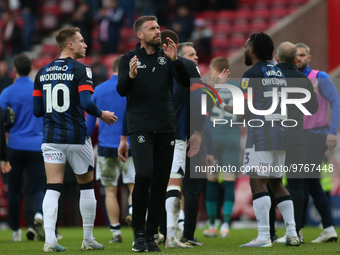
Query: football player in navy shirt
point(264, 157)
point(62, 91)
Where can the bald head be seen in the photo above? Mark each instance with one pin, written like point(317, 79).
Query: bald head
point(286, 52)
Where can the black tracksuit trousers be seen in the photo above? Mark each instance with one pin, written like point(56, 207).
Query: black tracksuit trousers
point(152, 157)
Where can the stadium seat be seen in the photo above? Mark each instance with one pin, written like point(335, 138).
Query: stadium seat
point(240, 27)
point(126, 33)
point(243, 15)
point(280, 3)
point(245, 4)
point(108, 60)
point(51, 50)
point(262, 5)
point(277, 14)
point(85, 60)
point(297, 3)
point(237, 41)
point(208, 16)
point(258, 27)
point(41, 62)
point(261, 13)
point(225, 17)
point(219, 43)
point(222, 30)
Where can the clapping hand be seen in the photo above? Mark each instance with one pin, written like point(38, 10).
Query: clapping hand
point(133, 67)
point(170, 49)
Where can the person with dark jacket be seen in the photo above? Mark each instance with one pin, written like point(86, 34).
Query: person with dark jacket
point(286, 57)
point(181, 101)
point(145, 77)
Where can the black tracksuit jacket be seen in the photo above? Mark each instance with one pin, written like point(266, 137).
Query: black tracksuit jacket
point(149, 96)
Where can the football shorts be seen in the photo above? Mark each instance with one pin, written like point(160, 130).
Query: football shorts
point(108, 170)
point(178, 162)
point(79, 156)
point(263, 163)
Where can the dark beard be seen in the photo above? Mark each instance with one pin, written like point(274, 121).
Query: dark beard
point(247, 60)
point(154, 43)
point(302, 67)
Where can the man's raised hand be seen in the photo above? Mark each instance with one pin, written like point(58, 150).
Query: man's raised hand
point(170, 49)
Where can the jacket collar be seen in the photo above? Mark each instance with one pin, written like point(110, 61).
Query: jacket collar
point(143, 51)
point(290, 66)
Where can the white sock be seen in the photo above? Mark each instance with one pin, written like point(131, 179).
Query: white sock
point(261, 207)
point(116, 232)
point(50, 211)
point(329, 229)
point(130, 208)
point(287, 210)
point(87, 205)
point(181, 226)
point(181, 215)
point(173, 207)
point(115, 229)
point(212, 226)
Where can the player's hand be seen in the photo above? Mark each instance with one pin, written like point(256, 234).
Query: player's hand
point(209, 160)
point(170, 50)
point(5, 167)
point(218, 78)
point(331, 141)
point(194, 144)
point(133, 67)
point(123, 149)
point(109, 117)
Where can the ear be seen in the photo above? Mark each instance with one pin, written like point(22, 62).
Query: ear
point(277, 59)
point(71, 45)
point(309, 58)
point(140, 35)
point(15, 70)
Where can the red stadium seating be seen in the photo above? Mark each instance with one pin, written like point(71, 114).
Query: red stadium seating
point(222, 30)
point(50, 50)
point(108, 60)
point(219, 43)
point(41, 62)
point(225, 17)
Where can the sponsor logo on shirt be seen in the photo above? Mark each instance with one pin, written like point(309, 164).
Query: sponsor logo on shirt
point(57, 68)
point(139, 64)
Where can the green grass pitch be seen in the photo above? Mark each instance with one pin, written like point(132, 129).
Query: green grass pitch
point(72, 238)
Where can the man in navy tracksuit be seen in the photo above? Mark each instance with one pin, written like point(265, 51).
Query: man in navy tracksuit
point(145, 77)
